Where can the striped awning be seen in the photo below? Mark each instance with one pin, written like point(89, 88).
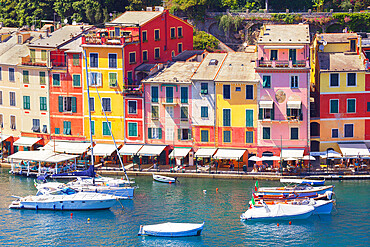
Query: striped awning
point(266, 104)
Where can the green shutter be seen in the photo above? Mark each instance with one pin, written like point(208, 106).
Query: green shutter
point(149, 133)
point(43, 105)
point(57, 131)
point(300, 114)
point(160, 133)
point(249, 136)
point(60, 103)
point(106, 128)
point(93, 127)
point(260, 114)
point(334, 106)
point(249, 118)
point(179, 134)
point(113, 79)
point(184, 95)
point(76, 80)
point(74, 104)
point(273, 112)
point(189, 134)
point(64, 127)
point(42, 78)
point(69, 124)
point(288, 112)
point(184, 113)
point(26, 78)
point(154, 94)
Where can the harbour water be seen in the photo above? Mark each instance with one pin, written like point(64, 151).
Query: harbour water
point(154, 202)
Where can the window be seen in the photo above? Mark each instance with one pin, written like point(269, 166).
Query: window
point(213, 62)
point(248, 118)
point(56, 79)
point(334, 105)
point(35, 125)
point(294, 133)
point(67, 128)
point(351, 80)
point(351, 105)
point(226, 117)
point(266, 81)
point(132, 106)
point(93, 127)
point(156, 53)
point(294, 81)
point(1, 121)
point(184, 134)
point(112, 79)
point(184, 113)
point(106, 104)
point(94, 60)
point(1, 74)
point(20, 39)
point(132, 56)
point(26, 102)
point(11, 74)
point(129, 78)
point(145, 56)
point(334, 133)
point(184, 94)
point(76, 60)
point(12, 122)
point(67, 104)
point(44, 128)
point(106, 127)
point(293, 113)
point(112, 60)
point(238, 89)
point(155, 112)
point(92, 104)
point(145, 37)
point(173, 53)
point(57, 131)
point(117, 31)
point(204, 88)
point(204, 136)
point(266, 133)
point(173, 33)
point(95, 79)
point(43, 104)
point(76, 80)
point(43, 55)
point(348, 130)
point(156, 35)
point(1, 97)
point(179, 32)
point(154, 133)
point(204, 111)
point(179, 47)
point(154, 94)
point(226, 91)
point(26, 77)
point(12, 98)
point(249, 136)
point(227, 136)
point(132, 129)
point(273, 55)
point(249, 91)
point(42, 78)
point(334, 80)
point(169, 94)
point(368, 106)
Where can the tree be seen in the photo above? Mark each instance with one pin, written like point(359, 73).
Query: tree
point(204, 41)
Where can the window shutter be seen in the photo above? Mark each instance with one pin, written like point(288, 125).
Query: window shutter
point(74, 104)
point(179, 134)
point(300, 114)
point(160, 133)
point(189, 134)
point(288, 111)
point(69, 127)
point(149, 133)
point(60, 103)
point(64, 127)
point(249, 118)
point(260, 114)
point(273, 112)
point(99, 79)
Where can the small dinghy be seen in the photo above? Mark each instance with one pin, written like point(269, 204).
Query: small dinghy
point(303, 181)
point(164, 179)
point(172, 230)
point(278, 212)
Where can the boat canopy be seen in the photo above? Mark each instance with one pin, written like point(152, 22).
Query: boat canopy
point(205, 152)
point(151, 150)
point(67, 147)
point(130, 149)
point(232, 154)
point(292, 153)
point(26, 141)
point(354, 149)
point(103, 149)
point(42, 156)
point(179, 152)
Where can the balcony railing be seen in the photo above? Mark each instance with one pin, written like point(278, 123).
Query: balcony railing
point(96, 40)
point(283, 63)
point(33, 62)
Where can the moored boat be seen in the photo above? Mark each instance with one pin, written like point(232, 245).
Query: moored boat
point(164, 179)
point(299, 190)
point(172, 230)
point(303, 181)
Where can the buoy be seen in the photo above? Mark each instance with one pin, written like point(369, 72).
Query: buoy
point(71, 215)
point(216, 189)
point(277, 224)
point(205, 191)
point(170, 182)
point(290, 222)
point(88, 220)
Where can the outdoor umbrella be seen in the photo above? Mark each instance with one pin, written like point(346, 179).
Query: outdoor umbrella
point(308, 157)
point(270, 158)
point(254, 158)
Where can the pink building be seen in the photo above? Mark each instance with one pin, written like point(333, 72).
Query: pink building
point(283, 70)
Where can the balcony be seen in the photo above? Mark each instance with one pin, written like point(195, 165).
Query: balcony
point(95, 39)
point(170, 101)
point(283, 64)
point(33, 62)
point(133, 89)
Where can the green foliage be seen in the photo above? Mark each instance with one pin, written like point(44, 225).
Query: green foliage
point(354, 21)
point(287, 18)
point(228, 23)
point(204, 41)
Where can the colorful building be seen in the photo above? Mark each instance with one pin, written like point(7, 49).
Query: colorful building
point(283, 70)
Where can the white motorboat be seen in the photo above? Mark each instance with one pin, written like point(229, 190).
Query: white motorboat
point(62, 197)
point(172, 230)
point(164, 179)
point(302, 181)
point(298, 190)
point(278, 212)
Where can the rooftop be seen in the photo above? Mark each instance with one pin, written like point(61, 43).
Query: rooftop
point(238, 66)
point(185, 55)
point(209, 67)
point(337, 37)
point(178, 72)
point(130, 18)
point(340, 62)
point(285, 34)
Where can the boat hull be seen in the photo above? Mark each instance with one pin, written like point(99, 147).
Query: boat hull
point(278, 212)
point(164, 179)
point(192, 230)
point(121, 192)
point(299, 192)
point(323, 207)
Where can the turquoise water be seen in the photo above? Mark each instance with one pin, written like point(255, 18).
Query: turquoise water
point(184, 202)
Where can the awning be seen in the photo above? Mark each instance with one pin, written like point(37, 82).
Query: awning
point(330, 154)
point(103, 149)
point(151, 150)
point(292, 153)
point(205, 152)
point(26, 141)
point(4, 137)
point(264, 158)
point(354, 149)
point(42, 156)
point(130, 149)
point(67, 147)
point(230, 154)
point(255, 158)
point(283, 47)
point(264, 104)
point(294, 104)
point(179, 152)
point(57, 158)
